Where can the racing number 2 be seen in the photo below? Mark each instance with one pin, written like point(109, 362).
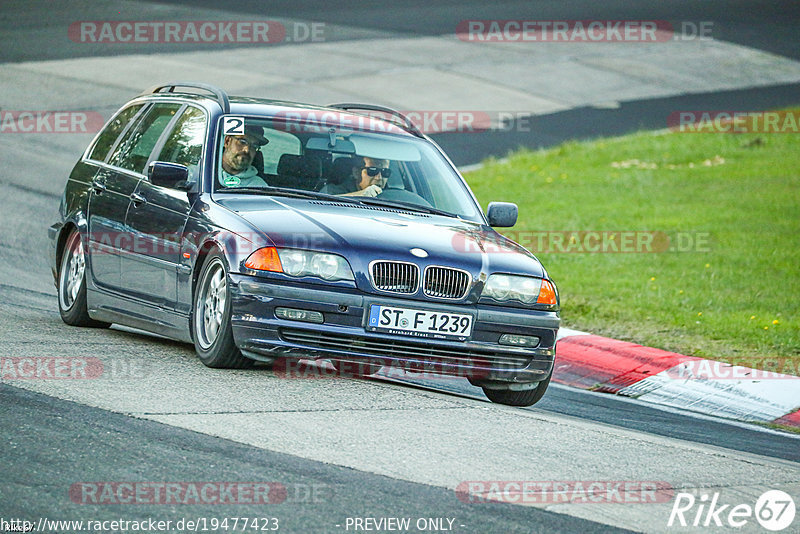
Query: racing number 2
point(233, 126)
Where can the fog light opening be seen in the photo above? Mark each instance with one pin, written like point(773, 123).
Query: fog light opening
point(516, 340)
point(293, 314)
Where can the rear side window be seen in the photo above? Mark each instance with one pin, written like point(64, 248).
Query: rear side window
point(134, 150)
point(185, 144)
point(106, 139)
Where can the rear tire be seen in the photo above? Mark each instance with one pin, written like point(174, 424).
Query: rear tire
point(211, 317)
point(72, 285)
point(528, 397)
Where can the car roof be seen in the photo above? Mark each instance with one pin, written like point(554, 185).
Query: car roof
point(253, 106)
point(315, 114)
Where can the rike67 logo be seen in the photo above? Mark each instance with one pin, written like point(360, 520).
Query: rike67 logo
point(774, 510)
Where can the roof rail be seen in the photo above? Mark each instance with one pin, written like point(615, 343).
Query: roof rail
point(222, 96)
point(406, 122)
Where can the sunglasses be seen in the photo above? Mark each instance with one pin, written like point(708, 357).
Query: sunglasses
point(246, 143)
point(373, 171)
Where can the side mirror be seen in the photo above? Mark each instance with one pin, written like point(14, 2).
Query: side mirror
point(171, 175)
point(502, 214)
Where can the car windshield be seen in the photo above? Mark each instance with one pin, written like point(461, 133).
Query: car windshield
point(329, 162)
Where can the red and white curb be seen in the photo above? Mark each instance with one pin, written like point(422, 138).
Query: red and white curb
point(602, 364)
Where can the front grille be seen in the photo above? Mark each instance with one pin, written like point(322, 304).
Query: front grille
point(445, 283)
point(400, 350)
point(395, 276)
point(403, 278)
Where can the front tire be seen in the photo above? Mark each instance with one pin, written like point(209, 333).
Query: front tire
point(72, 285)
point(211, 318)
point(528, 397)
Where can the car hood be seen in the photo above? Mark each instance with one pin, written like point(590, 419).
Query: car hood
point(366, 233)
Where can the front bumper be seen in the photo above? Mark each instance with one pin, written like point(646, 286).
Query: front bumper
point(342, 336)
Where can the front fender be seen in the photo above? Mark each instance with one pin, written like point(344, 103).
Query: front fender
point(57, 236)
point(200, 235)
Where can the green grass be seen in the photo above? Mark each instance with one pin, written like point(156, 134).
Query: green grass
point(736, 298)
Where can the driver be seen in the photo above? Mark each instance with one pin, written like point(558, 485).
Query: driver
point(369, 178)
point(237, 157)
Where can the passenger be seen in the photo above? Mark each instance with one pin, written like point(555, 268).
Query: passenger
point(237, 158)
point(369, 177)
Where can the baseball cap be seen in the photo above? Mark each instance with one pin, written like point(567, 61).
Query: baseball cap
point(256, 132)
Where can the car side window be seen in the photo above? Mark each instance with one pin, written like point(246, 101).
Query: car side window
point(134, 151)
point(114, 128)
point(185, 143)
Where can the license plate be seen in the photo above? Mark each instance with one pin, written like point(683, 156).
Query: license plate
point(420, 323)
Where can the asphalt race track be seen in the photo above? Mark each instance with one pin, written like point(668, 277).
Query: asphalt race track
point(338, 450)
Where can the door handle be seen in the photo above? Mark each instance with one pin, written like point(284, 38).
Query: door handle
point(138, 200)
point(98, 187)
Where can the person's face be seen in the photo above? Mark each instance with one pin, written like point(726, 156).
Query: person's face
point(365, 180)
point(238, 153)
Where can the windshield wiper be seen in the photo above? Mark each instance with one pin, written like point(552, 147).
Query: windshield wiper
point(287, 192)
point(371, 201)
point(406, 206)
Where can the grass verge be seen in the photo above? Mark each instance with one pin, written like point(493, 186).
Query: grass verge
point(720, 212)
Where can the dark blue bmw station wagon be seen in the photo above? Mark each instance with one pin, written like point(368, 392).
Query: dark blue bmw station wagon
point(262, 230)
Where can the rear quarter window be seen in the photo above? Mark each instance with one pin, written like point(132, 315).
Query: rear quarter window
point(185, 143)
point(134, 151)
point(112, 131)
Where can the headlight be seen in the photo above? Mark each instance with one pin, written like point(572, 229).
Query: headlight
point(294, 261)
point(300, 263)
point(527, 290)
point(307, 263)
point(327, 266)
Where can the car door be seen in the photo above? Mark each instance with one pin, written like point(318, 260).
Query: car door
point(126, 165)
point(157, 215)
point(109, 197)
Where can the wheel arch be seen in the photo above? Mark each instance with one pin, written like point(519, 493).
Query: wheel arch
point(64, 232)
point(202, 253)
